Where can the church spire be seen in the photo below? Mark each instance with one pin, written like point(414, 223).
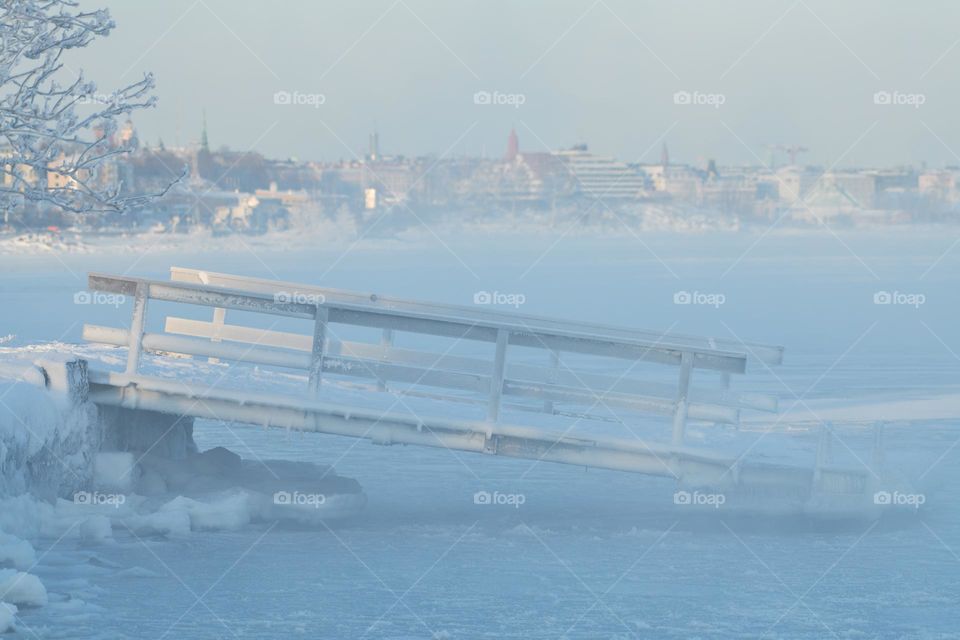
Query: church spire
point(513, 146)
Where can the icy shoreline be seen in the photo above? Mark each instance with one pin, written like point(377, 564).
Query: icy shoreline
point(342, 232)
point(59, 480)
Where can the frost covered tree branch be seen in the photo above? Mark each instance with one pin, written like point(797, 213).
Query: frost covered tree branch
point(56, 130)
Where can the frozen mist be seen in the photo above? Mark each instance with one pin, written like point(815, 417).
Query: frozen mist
point(588, 553)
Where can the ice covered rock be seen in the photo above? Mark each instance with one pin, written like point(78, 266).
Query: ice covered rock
point(46, 445)
point(147, 432)
point(216, 461)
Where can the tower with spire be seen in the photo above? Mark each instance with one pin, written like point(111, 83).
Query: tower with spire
point(513, 146)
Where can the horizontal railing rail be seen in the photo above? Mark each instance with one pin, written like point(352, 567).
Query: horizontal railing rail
point(336, 362)
point(769, 354)
point(519, 371)
point(560, 339)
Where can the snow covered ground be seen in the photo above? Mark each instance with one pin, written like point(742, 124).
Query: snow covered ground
point(587, 554)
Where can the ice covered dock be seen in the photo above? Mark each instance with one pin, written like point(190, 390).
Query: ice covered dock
point(519, 365)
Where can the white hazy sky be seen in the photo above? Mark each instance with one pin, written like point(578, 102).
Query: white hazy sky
point(602, 72)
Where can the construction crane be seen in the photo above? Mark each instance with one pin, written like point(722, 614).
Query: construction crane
point(791, 150)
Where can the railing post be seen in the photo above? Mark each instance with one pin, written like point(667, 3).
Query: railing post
point(824, 452)
point(136, 327)
point(724, 389)
point(316, 359)
point(878, 447)
point(386, 341)
point(216, 329)
point(552, 378)
point(496, 379)
point(683, 389)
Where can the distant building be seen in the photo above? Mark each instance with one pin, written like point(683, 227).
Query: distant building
point(939, 185)
point(838, 192)
point(793, 181)
point(601, 176)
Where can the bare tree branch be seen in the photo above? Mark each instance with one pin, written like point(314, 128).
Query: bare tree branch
point(58, 136)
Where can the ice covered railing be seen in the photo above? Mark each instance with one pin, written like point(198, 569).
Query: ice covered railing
point(517, 363)
point(557, 385)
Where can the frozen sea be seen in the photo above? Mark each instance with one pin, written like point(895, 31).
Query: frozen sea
point(589, 554)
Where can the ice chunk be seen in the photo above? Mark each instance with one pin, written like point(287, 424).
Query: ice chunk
point(27, 517)
point(164, 523)
point(15, 552)
point(96, 529)
point(227, 512)
point(19, 588)
point(8, 613)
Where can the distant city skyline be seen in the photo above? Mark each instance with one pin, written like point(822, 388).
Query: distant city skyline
point(851, 83)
